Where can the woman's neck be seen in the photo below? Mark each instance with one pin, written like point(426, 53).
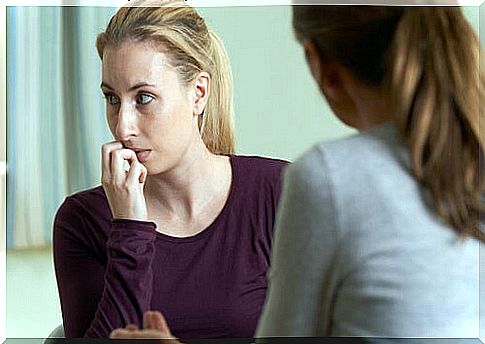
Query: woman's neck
point(185, 191)
point(372, 106)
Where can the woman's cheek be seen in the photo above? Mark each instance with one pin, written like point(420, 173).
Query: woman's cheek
point(112, 124)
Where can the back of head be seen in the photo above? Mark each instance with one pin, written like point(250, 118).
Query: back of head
point(191, 47)
point(427, 58)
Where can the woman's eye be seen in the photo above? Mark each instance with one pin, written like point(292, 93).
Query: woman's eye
point(144, 99)
point(111, 99)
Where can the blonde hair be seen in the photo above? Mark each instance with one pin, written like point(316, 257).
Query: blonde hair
point(428, 59)
point(191, 48)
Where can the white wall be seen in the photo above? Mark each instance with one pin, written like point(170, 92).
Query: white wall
point(33, 308)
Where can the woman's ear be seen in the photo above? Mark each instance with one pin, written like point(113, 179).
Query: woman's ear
point(201, 88)
point(333, 83)
point(334, 80)
point(325, 71)
point(338, 87)
point(313, 59)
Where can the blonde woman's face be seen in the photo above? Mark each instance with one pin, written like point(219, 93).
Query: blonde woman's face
point(148, 110)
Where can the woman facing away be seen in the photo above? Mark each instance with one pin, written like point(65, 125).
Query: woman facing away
point(379, 234)
point(186, 227)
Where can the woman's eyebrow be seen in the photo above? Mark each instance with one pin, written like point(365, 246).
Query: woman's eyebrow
point(134, 87)
point(105, 85)
point(141, 84)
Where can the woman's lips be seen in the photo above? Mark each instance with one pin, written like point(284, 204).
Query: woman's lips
point(142, 156)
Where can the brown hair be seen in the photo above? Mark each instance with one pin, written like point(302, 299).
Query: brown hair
point(191, 48)
point(428, 59)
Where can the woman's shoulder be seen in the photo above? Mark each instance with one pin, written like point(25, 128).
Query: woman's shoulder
point(258, 166)
point(256, 176)
point(96, 192)
point(373, 153)
point(364, 148)
point(90, 204)
point(83, 221)
point(309, 173)
point(92, 197)
point(345, 167)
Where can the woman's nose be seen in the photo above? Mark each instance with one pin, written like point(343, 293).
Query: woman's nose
point(126, 126)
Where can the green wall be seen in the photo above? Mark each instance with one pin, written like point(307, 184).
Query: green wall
point(278, 110)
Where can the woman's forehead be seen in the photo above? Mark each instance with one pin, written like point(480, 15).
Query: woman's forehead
point(133, 52)
point(135, 62)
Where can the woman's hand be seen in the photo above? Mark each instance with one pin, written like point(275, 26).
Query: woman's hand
point(154, 327)
point(124, 189)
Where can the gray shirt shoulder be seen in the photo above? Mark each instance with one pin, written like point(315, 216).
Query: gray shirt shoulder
point(359, 251)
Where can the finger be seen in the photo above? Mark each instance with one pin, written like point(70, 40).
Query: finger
point(148, 334)
point(118, 156)
point(106, 150)
point(143, 175)
point(159, 323)
point(119, 333)
point(135, 173)
point(123, 333)
point(136, 334)
point(131, 327)
point(147, 320)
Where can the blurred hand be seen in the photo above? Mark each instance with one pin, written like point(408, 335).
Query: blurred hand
point(154, 327)
point(124, 189)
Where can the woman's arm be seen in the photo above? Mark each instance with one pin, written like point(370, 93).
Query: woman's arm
point(96, 296)
point(101, 292)
point(300, 278)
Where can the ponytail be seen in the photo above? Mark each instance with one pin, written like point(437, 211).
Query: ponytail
point(428, 59)
point(216, 124)
point(436, 89)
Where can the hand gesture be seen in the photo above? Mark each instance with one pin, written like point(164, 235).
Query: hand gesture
point(124, 189)
point(154, 327)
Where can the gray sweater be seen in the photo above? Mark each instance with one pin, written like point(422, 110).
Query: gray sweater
point(359, 252)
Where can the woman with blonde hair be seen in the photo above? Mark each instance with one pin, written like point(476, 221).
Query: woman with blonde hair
point(379, 234)
point(180, 224)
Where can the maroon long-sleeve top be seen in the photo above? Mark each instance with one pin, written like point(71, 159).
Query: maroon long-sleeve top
point(210, 285)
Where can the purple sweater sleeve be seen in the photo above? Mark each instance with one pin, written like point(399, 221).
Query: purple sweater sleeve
point(124, 276)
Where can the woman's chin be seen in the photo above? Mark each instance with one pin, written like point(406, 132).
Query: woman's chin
point(154, 171)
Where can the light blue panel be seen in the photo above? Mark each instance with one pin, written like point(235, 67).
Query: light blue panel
point(51, 100)
point(55, 114)
point(84, 122)
point(24, 97)
point(102, 18)
point(35, 98)
point(11, 108)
